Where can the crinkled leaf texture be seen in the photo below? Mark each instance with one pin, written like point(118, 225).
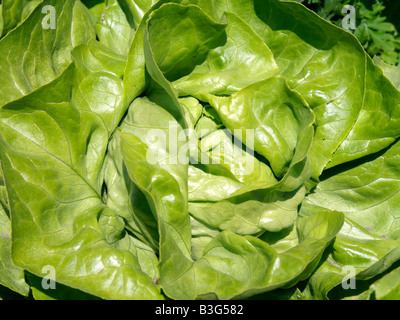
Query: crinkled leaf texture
point(61, 220)
point(288, 130)
point(231, 265)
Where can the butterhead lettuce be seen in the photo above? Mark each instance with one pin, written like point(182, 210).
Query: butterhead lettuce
point(194, 149)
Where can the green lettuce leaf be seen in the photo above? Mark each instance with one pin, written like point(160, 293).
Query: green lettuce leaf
point(14, 12)
point(390, 72)
point(42, 54)
point(242, 60)
point(369, 241)
point(83, 239)
point(11, 275)
point(113, 28)
point(388, 287)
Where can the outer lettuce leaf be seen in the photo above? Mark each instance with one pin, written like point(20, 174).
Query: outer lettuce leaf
point(377, 125)
point(11, 275)
point(390, 72)
point(42, 54)
point(70, 228)
point(60, 292)
point(14, 12)
point(1, 19)
point(388, 287)
point(367, 193)
point(369, 241)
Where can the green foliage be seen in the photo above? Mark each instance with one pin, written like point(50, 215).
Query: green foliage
point(378, 35)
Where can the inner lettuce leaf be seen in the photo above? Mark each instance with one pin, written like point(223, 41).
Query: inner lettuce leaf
point(164, 186)
point(195, 149)
point(273, 113)
point(113, 28)
point(242, 60)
